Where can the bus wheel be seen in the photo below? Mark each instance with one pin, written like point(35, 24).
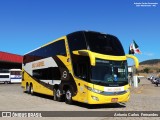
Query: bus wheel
point(27, 88)
point(31, 90)
point(5, 82)
point(55, 95)
point(58, 95)
point(68, 97)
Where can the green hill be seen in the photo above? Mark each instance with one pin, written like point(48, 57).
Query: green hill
point(149, 62)
point(149, 67)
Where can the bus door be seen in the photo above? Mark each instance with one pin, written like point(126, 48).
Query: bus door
point(81, 71)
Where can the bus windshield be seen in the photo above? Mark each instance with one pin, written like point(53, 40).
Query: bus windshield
point(109, 73)
point(104, 44)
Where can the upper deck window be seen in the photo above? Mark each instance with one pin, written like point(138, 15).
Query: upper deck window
point(95, 42)
point(76, 41)
point(104, 44)
point(53, 49)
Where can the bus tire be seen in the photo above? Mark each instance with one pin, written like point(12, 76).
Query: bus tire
point(58, 95)
point(5, 82)
point(27, 88)
point(55, 96)
point(68, 96)
point(31, 90)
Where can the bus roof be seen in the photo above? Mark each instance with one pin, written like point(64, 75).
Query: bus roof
point(63, 38)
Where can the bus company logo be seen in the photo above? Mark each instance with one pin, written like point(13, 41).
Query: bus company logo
point(6, 114)
point(64, 74)
point(38, 64)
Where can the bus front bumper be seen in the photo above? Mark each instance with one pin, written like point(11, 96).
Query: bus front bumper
point(94, 98)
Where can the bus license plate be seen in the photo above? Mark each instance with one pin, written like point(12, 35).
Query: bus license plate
point(114, 100)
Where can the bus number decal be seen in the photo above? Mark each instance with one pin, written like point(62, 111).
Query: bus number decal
point(64, 74)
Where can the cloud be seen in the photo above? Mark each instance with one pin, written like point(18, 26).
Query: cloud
point(148, 54)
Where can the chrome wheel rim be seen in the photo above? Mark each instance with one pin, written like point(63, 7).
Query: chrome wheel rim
point(68, 95)
point(58, 93)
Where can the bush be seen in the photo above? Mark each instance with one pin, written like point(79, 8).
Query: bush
point(146, 70)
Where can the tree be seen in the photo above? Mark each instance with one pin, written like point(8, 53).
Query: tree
point(146, 70)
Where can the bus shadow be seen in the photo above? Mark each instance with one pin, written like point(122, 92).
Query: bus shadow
point(84, 105)
point(42, 96)
point(2, 83)
point(98, 106)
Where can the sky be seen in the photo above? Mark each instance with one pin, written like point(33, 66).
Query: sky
point(28, 24)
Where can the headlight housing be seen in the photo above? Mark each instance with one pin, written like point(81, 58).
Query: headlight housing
point(94, 90)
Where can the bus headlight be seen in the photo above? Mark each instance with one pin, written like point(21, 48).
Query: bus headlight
point(96, 91)
point(93, 90)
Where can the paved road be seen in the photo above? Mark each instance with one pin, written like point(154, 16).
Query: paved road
point(145, 98)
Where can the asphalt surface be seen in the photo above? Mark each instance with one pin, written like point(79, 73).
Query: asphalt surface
point(144, 98)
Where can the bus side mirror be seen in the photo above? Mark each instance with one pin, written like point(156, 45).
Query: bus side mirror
point(86, 53)
point(134, 58)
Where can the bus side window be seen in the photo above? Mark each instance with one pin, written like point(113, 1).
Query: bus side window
point(81, 70)
point(12, 72)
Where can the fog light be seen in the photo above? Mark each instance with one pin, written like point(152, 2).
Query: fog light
point(95, 98)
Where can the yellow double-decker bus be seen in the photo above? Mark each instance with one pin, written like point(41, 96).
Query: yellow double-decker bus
point(85, 66)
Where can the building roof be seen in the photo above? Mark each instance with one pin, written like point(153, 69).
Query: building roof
point(9, 57)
